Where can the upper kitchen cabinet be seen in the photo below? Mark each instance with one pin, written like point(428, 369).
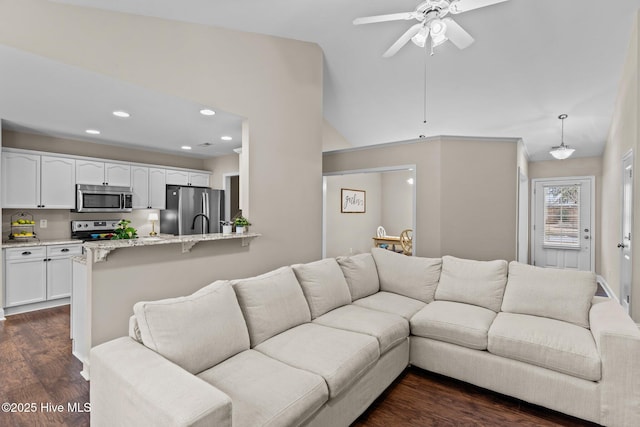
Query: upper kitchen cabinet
point(31, 181)
point(101, 173)
point(179, 177)
point(148, 187)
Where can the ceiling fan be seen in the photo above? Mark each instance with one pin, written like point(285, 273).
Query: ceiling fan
point(432, 21)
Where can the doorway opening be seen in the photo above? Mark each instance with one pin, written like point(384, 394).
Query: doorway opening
point(625, 230)
point(232, 196)
point(389, 196)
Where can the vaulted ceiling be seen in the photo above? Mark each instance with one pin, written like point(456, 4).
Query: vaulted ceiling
point(531, 61)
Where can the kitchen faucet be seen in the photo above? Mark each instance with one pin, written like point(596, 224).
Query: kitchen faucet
point(193, 225)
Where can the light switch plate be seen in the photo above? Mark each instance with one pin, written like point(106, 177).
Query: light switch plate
point(43, 223)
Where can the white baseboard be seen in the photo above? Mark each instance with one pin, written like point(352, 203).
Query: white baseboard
point(606, 288)
point(2, 314)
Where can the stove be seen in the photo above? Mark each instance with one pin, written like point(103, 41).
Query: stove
point(93, 230)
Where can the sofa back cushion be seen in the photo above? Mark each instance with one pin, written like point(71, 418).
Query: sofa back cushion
point(195, 332)
point(361, 274)
point(549, 292)
point(411, 276)
point(271, 303)
point(323, 285)
point(479, 283)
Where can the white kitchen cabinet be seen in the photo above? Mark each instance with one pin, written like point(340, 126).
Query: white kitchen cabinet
point(149, 187)
point(178, 177)
point(32, 181)
point(57, 182)
point(25, 276)
point(117, 174)
point(59, 274)
point(89, 172)
point(100, 173)
point(34, 274)
point(20, 180)
point(157, 188)
point(140, 186)
point(199, 179)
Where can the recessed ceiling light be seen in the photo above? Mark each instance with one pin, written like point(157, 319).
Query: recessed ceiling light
point(93, 131)
point(207, 112)
point(226, 138)
point(186, 147)
point(122, 114)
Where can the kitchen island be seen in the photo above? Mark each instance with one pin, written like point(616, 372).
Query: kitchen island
point(118, 273)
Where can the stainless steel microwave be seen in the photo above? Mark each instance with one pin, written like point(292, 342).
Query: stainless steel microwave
point(103, 198)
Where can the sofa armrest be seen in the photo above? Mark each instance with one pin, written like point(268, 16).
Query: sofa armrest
point(132, 385)
point(618, 340)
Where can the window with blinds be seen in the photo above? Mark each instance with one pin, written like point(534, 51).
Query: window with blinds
point(562, 215)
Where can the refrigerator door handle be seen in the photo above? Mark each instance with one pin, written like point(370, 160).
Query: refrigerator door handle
point(206, 210)
point(179, 211)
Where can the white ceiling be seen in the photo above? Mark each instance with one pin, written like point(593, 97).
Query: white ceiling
point(44, 96)
point(532, 61)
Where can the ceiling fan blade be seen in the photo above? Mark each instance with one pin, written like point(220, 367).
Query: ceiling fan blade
point(460, 6)
point(383, 18)
point(402, 40)
point(457, 35)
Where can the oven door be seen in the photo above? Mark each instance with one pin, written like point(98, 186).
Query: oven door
point(99, 198)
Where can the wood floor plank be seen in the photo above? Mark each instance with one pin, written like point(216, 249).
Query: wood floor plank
point(36, 365)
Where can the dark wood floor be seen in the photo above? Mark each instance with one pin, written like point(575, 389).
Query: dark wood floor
point(36, 366)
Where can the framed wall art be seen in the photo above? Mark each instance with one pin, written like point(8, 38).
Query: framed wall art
point(353, 201)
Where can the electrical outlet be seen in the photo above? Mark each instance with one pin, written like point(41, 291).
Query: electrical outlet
point(43, 223)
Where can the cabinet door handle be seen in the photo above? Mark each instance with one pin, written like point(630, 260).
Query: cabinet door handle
point(26, 253)
point(64, 250)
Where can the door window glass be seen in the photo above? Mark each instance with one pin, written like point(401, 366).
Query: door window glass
point(562, 215)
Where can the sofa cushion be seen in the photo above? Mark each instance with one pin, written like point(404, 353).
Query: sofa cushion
point(479, 283)
point(195, 332)
point(549, 343)
point(389, 302)
point(323, 285)
point(389, 329)
point(271, 303)
point(548, 292)
point(265, 391)
point(413, 277)
point(453, 322)
point(340, 357)
point(361, 274)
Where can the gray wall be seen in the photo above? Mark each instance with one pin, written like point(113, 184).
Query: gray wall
point(624, 135)
point(466, 192)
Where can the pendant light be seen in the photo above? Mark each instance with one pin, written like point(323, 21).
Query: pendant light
point(562, 151)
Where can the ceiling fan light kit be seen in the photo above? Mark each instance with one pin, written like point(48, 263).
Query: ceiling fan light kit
point(562, 151)
point(432, 21)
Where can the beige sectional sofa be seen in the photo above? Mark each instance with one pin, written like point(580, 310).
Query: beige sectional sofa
point(315, 344)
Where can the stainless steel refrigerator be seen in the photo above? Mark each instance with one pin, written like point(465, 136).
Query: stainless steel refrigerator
point(192, 210)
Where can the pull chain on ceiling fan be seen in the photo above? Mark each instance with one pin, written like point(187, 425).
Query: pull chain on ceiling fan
point(432, 23)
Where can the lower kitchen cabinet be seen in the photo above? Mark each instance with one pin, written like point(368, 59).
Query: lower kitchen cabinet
point(34, 275)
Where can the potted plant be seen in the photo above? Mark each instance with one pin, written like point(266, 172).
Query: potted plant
point(123, 231)
point(241, 224)
point(227, 227)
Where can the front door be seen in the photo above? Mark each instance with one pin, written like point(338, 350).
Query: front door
point(625, 240)
point(562, 224)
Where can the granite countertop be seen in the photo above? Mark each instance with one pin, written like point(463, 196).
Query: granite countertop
point(36, 242)
point(102, 248)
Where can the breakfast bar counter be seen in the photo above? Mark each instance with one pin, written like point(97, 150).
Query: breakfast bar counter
point(100, 249)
